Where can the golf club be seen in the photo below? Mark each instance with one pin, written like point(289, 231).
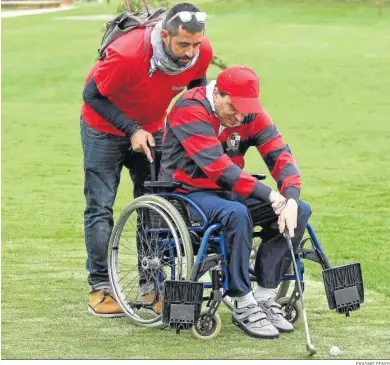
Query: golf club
point(309, 346)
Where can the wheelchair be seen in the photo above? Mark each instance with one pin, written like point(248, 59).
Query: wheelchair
point(158, 246)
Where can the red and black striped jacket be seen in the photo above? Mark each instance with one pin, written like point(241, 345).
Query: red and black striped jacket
point(195, 154)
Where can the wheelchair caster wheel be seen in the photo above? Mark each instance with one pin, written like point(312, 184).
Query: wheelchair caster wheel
point(206, 328)
point(294, 313)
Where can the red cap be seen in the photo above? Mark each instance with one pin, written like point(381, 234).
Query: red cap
point(242, 85)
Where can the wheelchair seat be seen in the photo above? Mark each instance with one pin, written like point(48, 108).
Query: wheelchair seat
point(167, 185)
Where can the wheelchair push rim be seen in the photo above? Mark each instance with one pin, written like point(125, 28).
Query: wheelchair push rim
point(147, 251)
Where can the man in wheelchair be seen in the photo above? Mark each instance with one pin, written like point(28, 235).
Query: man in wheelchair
point(208, 132)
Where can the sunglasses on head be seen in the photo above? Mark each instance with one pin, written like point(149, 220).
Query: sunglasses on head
point(186, 16)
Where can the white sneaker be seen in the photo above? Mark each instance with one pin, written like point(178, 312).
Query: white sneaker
point(275, 315)
point(253, 321)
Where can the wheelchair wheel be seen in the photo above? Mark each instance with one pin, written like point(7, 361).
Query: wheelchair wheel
point(206, 328)
point(294, 313)
point(149, 244)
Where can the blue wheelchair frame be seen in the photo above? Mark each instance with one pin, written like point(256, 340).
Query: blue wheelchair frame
point(208, 237)
point(183, 298)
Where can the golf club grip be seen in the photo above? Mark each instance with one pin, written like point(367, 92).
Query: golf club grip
point(153, 164)
point(288, 239)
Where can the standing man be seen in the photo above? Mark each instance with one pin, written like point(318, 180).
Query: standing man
point(126, 96)
point(208, 132)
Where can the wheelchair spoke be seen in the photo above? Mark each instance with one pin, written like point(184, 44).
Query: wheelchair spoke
point(129, 272)
point(128, 254)
point(132, 283)
point(146, 250)
point(131, 291)
point(137, 228)
point(128, 249)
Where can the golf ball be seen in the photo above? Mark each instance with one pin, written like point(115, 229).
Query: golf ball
point(334, 351)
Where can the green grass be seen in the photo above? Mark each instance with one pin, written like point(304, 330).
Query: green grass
point(324, 80)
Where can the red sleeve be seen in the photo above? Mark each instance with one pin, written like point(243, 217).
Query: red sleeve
point(277, 155)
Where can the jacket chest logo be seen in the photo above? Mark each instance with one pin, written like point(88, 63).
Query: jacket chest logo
point(233, 142)
point(178, 88)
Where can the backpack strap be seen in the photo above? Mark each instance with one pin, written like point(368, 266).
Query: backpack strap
point(149, 25)
point(147, 35)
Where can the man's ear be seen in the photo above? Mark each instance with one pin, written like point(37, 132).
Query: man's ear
point(165, 36)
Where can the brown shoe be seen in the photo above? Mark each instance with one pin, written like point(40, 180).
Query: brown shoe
point(151, 298)
point(103, 304)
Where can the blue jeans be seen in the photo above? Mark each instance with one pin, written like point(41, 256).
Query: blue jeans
point(104, 157)
point(238, 216)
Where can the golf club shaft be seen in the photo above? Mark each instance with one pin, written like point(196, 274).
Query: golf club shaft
point(299, 289)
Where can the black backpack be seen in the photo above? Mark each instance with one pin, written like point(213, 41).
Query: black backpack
point(127, 21)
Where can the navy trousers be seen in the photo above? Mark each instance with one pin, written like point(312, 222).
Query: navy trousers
point(239, 215)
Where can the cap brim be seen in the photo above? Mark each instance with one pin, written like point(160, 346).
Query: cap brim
point(246, 105)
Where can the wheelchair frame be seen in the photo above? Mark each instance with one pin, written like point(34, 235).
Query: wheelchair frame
point(176, 314)
point(316, 255)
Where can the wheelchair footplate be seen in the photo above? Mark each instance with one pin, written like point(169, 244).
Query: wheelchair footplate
point(344, 288)
point(182, 303)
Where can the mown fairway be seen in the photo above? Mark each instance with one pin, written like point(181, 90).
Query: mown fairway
point(325, 81)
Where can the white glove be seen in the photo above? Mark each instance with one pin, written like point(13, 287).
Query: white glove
point(288, 217)
point(278, 201)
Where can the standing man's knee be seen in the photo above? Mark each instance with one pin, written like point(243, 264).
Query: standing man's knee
point(100, 190)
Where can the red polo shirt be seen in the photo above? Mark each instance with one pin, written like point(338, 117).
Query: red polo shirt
point(123, 78)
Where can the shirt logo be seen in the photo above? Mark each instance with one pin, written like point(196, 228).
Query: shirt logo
point(233, 142)
point(178, 88)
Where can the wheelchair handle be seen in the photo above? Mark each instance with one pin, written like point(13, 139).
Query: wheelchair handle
point(153, 174)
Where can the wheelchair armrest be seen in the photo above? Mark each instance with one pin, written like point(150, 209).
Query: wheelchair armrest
point(259, 176)
point(162, 184)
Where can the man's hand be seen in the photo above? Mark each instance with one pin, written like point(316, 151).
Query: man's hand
point(288, 217)
point(139, 143)
point(278, 201)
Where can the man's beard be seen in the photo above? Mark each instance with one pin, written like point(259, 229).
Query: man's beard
point(174, 58)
